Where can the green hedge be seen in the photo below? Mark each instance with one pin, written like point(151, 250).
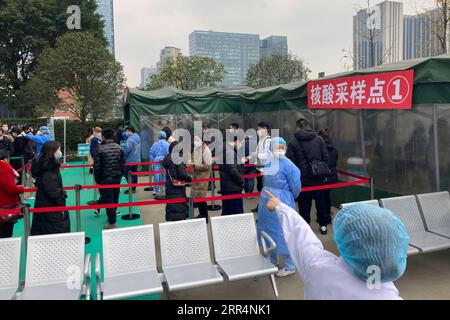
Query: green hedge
point(75, 131)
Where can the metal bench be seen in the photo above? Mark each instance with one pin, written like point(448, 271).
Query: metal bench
point(9, 267)
point(435, 208)
point(408, 212)
point(411, 250)
point(56, 268)
point(237, 251)
point(185, 256)
point(369, 202)
point(129, 264)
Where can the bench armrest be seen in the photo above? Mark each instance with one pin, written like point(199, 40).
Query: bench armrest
point(98, 281)
point(273, 245)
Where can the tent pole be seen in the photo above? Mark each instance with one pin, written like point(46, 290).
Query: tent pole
point(436, 149)
point(363, 147)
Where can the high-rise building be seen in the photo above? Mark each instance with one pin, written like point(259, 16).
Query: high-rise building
point(378, 35)
point(166, 54)
point(105, 8)
point(235, 51)
point(274, 45)
point(420, 38)
point(145, 74)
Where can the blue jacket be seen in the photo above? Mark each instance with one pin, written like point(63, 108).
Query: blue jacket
point(285, 184)
point(93, 147)
point(40, 141)
point(159, 150)
point(132, 150)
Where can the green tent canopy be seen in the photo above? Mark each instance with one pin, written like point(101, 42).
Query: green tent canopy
point(431, 86)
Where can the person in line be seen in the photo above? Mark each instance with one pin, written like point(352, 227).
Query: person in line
point(88, 139)
point(332, 163)
point(6, 133)
point(41, 137)
point(249, 183)
point(9, 195)
point(120, 134)
point(132, 153)
point(231, 181)
point(109, 165)
point(372, 243)
point(6, 144)
point(285, 184)
point(176, 171)
point(94, 142)
point(262, 153)
point(202, 166)
point(304, 148)
point(50, 192)
point(22, 148)
point(169, 137)
point(158, 151)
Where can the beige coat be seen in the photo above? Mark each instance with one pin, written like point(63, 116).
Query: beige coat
point(202, 170)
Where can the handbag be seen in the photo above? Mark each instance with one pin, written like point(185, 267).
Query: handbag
point(177, 183)
point(316, 169)
point(13, 217)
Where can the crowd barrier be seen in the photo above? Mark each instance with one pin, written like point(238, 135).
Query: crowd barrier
point(26, 210)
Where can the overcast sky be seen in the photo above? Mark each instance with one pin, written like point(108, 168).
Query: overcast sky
point(317, 30)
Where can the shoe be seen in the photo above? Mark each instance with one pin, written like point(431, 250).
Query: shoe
point(91, 171)
point(284, 273)
point(154, 194)
point(323, 230)
point(255, 210)
point(110, 226)
point(148, 189)
point(128, 191)
point(219, 192)
point(118, 214)
point(97, 212)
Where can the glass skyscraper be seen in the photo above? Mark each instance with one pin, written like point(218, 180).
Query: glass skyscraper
point(105, 8)
point(236, 51)
point(274, 45)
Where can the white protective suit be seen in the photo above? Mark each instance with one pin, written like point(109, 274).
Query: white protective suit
point(325, 276)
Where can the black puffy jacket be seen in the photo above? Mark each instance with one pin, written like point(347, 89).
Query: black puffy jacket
point(49, 193)
point(109, 161)
point(175, 211)
point(307, 143)
point(231, 180)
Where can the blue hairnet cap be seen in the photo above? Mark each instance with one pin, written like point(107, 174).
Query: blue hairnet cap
point(276, 141)
point(369, 236)
point(44, 129)
point(162, 135)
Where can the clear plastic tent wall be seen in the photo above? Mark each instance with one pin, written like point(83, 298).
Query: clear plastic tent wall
point(404, 151)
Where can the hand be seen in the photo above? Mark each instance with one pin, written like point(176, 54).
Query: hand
point(244, 160)
point(273, 201)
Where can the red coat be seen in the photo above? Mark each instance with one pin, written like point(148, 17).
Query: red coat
point(9, 191)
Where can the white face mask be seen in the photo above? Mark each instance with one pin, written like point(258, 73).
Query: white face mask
point(5, 129)
point(279, 154)
point(98, 135)
point(197, 144)
point(58, 155)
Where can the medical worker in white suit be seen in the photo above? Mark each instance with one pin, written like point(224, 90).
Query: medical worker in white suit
point(372, 243)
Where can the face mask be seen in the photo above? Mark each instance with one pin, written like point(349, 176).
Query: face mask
point(5, 129)
point(197, 144)
point(279, 154)
point(259, 132)
point(98, 135)
point(58, 155)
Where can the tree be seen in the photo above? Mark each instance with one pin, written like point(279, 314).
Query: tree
point(437, 22)
point(80, 68)
point(276, 70)
point(27, 27)
point(187, 73)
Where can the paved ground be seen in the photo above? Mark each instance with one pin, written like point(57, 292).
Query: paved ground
point(427, 276)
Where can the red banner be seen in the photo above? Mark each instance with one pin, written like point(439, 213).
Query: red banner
point(390, 90)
